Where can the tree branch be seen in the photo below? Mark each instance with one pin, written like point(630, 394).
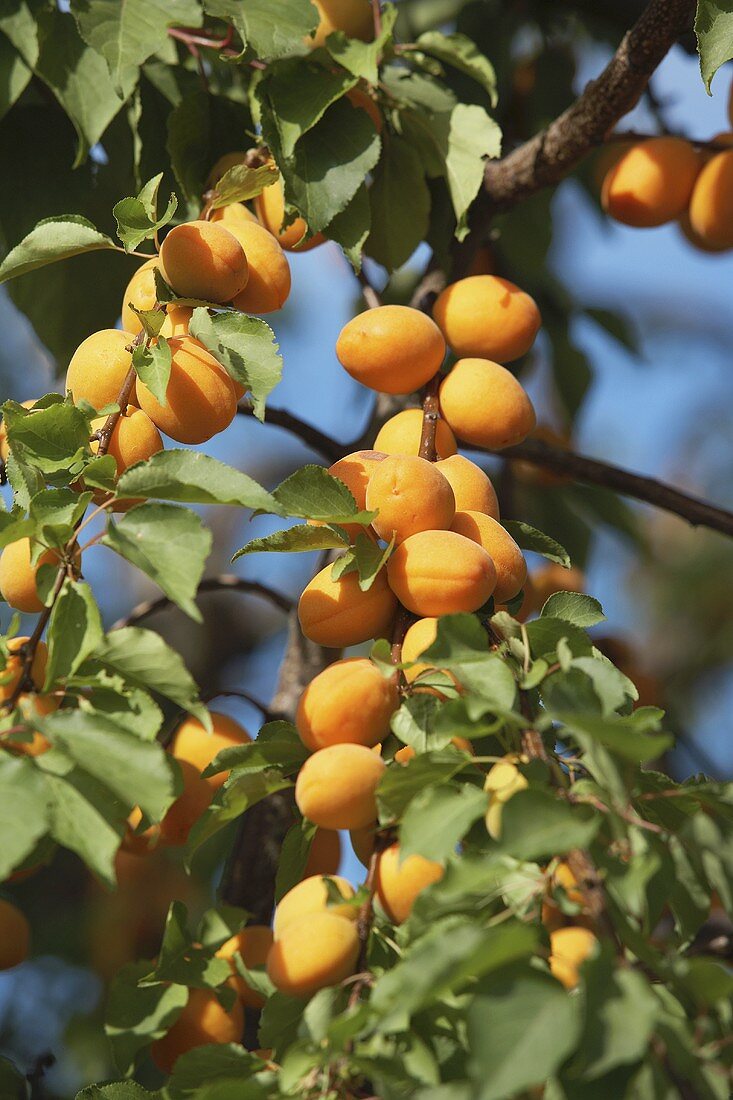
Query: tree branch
point(226, 582)
point(316, 440)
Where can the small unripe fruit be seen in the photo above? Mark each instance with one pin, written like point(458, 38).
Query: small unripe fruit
point(401, 435)
point(13, 670)
point(336, 787)
point(253, 944)
point(353, 17)
point(410, 495)
point(203, 1021)
point(201, 398)
point(419, 637)
point(338, 613)
point(196, 745)
point(504, 780)
point(313, 895)
point(652, 182)
point(511, 568)
point(203, 260)
point(324, 857)
point(139, 292)
point(441, 573)
point(270, 207)
point(191, 803)
point(349, 702)
point(15, 936)
point(99, 366)
point(569, 949)
point(711, 205)
point(487, 317)
point(18, 576)
point(392, 349)
point(485, 404)
point(317, 951)
point(400, 881)
point(471, 487)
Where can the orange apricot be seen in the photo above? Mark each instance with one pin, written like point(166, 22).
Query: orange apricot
point(409, 495)
point(15, 936)
point(353, 17)
point(313, 895)
point(569, 949)
point(134, 439)
point(253, 944)
point(400, 881)
point(511, 568)
point(141, 293)
point(13, 670)
point(324, 857)
point(485, 405)
point(202, 1021)
point(440, 573)
point(392, 349)
point(268, 285)
point(177, 320)
point(198, 747)
point(401, 434)
point(349, 702)
point(201, 398)
point(222, 166)
point(338, 613)
point(361, 99)
point(18, 576)
point(270, 207)
point(99, 366)
point(471, 487)
point(651, 183)
point(355, 470)
point(487, 317)
point(234, 215)
point(711, 205)
point(407, 753)
point(319, 950)
point(4, 445)
point(138, 843)
point(203, 260)
point(418, 637)
point(336, 787)
point(191, 803)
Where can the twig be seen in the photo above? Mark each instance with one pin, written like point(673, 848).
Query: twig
point(430, 418)
point(316, 439)
point(104, 435)
point(226, 582)
point(370, 293)
point(377, 12)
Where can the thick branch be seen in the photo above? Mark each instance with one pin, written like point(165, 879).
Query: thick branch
point(227, 582)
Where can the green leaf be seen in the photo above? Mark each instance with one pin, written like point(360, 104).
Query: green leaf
point(471, 135)
point(137, 1015)
point(622, 736)
point(55, 512)
point(18, 24)
point(620, 1013)
point(142, 658)
point(13, 1085)
point(521, 1028)
point(137, 218)
point(170, 544)
point(118, 1090)
point(208, 1067)
point(544, 635)
point(200, 129)
point(277, 746)
point(398, 786)
point(459, 51)
point(152, 363)
point(438, 818)
point(574, 607)
point(399, 204)
point(536, 824)
point(350, 228)
point(182, 961)
point(191, 477)
point(714, 31)
point(24, 811)
point(15, 75)
point(53, 239)
point(238, 794)
point(361, 58)
point(312, 493)
point(300, 91)
point(296, 540)
point(52, 439)
point(529, 538)
point(14, 526)
point(240, 183)
point(462, 646)
point(294, 855)
point(83, 817)
point(271, 28)
point(245, 347)
point(74, 631)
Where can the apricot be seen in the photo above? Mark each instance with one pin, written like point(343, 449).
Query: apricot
point(651, 183)
point(198, 747)
point(353, 17)
point(504, 779)
point(410, 495)
point(349, 702)
point(139, 843)
point(270, 208)
point(485, 404)
point(141, 293)
point(13, 670)
point(18, 576)
point(400, 881)
point(319, 950)
point(392, 349)
point(312, 895)
point(440, 573)
point(419, 637)
point(401, 435)
point(711, 205)
point(338, 613)
point(177, 320)
point(407, 753)
point(191, 803)
point(268, 285)
point(201, 398)
point(336, 787)
point(569, 949)
point(202, 1021)
point(355, 470)
point(361, 99)
point(511, 568)
point(203, 260)
point(99, 366)
point(134, 438)
point(471, 487)
point(223, 164)
point(15, 936)
point(4, 445)
point(487, 317)
point(253, 944)
point(324, 857)
point(235, 214)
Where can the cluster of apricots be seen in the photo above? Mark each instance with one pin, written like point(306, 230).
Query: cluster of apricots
point(666, 179)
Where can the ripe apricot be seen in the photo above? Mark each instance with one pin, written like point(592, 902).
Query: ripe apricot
point(487, 317)
point(392, 349)
point(18, 576)
point(313, 895)
point(440, 573)
point(338, 613)
point(15, 936)
point(99, 367)
point(134, 439)
point(569, 948)
point(270, 207)
point(485, 404)
point(552, 916)
point(400, 881)
point(651, 183)
point(223, 164)
point(361, 99)
point(13, 670)
point(324, 857)
point(353, 17)
point(319, 950)
point(235, 215)
point(191, 803)
point(202, 1021)
point(419, 637)
point(503, 780)
point(177, 320)
point(198, 747)
point(4, 445)
point(511, 568)
point(253, 944)
point(711, 205)
point(336, 787)
point(139, 292)
point(401, 434)
point(410, 495)
point(201, 398)
point(203, 260)
point(471, 487)
point(268, 285)
point(355, 470)
point(349, 702)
